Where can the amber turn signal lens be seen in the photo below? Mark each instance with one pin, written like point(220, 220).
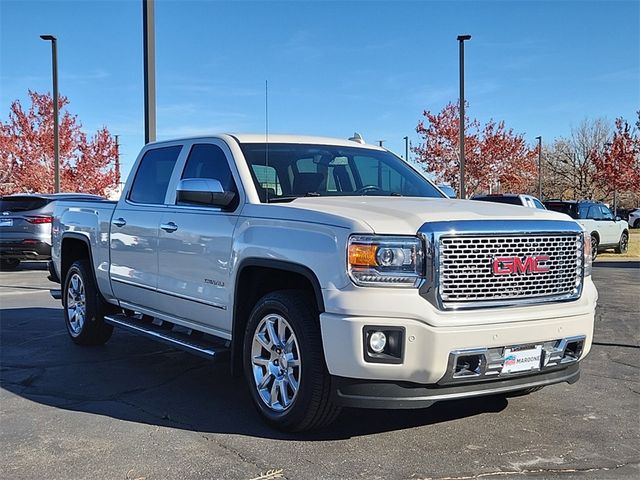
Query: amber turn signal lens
point(363, 255)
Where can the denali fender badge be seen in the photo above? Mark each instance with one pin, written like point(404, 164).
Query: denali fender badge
point(517, 265)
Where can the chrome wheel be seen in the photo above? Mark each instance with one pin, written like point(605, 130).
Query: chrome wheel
point(76, 304)
point(624, 243)
point(275, 360)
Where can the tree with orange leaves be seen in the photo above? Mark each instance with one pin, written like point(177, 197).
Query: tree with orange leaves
point(495, 157)
point(26, 151)
point(617, 166)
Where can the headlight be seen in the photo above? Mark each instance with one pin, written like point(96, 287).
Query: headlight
point(385, 261)
point(588, 258)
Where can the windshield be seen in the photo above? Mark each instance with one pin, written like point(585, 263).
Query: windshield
point(22, 204)
point(497, 199)
point(566, 208)
point(290, 171)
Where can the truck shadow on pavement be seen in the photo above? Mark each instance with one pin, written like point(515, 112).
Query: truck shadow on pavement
point(134, 379)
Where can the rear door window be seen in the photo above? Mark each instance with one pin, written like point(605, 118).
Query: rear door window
point(153, 175)
point(22, 204)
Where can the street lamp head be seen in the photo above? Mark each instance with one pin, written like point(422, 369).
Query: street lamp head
point(464, 37)
point(48, 37)
point(538, 137)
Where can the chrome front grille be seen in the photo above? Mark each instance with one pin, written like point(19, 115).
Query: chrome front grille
point(466, 276)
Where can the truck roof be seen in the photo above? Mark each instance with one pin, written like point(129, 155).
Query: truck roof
point(281, 138)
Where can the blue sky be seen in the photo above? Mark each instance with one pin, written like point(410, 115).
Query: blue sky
point(333, 67)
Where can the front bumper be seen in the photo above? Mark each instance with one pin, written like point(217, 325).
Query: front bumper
point(404, 395)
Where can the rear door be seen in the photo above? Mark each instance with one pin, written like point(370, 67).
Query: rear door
point(610, 228)
point(195, 244)
point(134, 227)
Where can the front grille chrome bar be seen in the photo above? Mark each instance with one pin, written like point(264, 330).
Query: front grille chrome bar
point(460, 263)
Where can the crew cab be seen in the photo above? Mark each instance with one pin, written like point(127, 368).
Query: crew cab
point(329, 273)
point(605, 230)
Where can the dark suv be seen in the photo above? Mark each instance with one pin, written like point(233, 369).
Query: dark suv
point(25, 226)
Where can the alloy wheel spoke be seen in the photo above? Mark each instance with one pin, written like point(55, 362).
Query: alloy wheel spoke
point(282, 327)
point(263, 362)
point(272, 333)
point(265, 380)
point(262, 340)
point(293, 383)
point(284, 399)
point(274, 393)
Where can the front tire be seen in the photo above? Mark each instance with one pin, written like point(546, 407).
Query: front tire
point(594, 246)
point(623, 245)
point(284, 363)
point(84, 307)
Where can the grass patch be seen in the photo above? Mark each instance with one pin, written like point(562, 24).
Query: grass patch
point(634, 247)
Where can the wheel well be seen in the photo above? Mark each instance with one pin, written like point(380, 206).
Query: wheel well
point(72, 249)
point(254, 282)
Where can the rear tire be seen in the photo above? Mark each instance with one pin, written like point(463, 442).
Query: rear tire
point(84, 307)
point(623, 245)
point(287, 376)
point(9, 264)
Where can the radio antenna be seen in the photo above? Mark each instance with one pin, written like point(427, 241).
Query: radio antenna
point(266, 136)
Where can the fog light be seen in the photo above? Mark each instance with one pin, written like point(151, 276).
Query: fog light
point(377, 342)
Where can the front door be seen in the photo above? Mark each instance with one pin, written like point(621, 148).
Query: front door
point(195, 244)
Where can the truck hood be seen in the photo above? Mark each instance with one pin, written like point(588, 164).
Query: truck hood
point(405, 215)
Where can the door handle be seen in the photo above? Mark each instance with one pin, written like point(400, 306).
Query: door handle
point(119, 222)
point(169, 227)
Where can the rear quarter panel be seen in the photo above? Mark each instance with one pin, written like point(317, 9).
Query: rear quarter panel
point(89, 221)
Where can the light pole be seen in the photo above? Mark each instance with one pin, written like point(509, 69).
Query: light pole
point(461, 39)
point(539, 167)
point(149, 57)
point(406, 149)
point(56, 138)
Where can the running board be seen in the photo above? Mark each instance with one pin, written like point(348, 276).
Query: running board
point(198, 343)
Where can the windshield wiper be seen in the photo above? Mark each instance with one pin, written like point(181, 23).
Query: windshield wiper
point(291, 197)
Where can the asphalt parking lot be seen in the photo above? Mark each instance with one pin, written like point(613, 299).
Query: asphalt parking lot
point(135, 409)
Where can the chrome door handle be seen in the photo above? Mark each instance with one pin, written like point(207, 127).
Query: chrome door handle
point(169, 227)
point(119, 222)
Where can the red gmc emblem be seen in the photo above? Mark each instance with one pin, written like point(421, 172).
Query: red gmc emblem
point(517, 265)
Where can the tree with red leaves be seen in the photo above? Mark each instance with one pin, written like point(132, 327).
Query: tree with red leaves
point(618, 164)
point(27, 158)
point(495, 157)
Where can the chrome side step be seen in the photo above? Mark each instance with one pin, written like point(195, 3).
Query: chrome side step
point(200, 344)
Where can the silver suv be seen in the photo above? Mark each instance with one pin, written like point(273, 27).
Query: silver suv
point(25, 226)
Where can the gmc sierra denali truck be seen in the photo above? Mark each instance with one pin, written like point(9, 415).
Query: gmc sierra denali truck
point(330, 273)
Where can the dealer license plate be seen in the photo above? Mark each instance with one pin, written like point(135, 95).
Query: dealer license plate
point(522, 359)
point(6, 222)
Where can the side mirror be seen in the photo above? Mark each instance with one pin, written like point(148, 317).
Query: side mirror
point(203, 191)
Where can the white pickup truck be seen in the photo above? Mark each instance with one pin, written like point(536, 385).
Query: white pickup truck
point(330, 273)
